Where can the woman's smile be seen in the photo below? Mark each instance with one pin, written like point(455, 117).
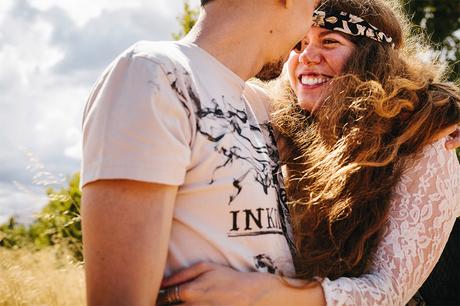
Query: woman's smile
point(311, 70)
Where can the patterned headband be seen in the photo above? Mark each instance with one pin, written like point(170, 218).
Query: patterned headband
point(349, 24)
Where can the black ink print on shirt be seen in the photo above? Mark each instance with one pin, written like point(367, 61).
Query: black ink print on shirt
point(264, 263)
point(219, 118)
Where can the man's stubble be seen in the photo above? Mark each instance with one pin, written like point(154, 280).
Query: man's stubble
point(271, 71)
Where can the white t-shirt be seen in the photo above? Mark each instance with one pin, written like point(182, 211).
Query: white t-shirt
point(170, 113)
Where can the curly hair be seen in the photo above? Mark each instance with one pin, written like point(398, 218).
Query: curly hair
point(346, 158)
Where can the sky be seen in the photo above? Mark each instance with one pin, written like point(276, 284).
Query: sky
point(51, 54)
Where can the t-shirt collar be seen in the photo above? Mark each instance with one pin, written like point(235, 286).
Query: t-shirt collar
point(217, 67)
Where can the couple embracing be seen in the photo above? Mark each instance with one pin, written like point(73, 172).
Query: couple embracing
point(332, 175)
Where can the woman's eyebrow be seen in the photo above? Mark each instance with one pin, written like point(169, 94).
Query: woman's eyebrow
point(329, 32)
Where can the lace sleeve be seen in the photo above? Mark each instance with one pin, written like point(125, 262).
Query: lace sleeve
point(422, 214)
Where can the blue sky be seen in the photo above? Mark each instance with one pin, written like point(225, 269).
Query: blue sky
point(51, 53)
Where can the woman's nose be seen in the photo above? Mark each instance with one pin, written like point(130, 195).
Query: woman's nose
point(310, 55)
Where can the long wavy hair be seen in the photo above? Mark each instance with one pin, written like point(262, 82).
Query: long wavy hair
point(346, 158)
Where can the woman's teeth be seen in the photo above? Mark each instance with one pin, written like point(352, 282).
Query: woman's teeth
point(306, 80)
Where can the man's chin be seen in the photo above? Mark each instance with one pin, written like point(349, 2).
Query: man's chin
point(271, 71)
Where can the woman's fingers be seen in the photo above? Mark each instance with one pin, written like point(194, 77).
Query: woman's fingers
point(175, 293)
point(194, 283)
point(454, 132)
point(184, 293)
point(447, 131)
point(187, 274)
point(455, 142)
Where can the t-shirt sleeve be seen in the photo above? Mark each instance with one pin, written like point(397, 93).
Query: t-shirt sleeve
point(135, 126)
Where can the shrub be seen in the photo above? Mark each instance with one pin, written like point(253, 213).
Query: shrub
point(57, 224)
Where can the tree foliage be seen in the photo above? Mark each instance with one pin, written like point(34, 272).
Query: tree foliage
point(57, 224)
point(13, 235)
point(186, 20)
point(440, 19)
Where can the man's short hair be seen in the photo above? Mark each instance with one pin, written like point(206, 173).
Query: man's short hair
point(203, 2)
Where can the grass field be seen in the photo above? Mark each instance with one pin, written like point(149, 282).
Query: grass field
point(39, 278)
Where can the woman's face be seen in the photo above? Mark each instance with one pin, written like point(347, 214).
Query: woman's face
point(324, 56)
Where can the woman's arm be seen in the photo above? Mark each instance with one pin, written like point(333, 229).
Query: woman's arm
point(422, 214)
point(423, 211)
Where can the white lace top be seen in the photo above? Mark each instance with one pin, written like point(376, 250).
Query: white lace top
point(422, 214)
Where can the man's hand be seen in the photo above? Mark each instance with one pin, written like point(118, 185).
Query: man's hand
point(126, 227)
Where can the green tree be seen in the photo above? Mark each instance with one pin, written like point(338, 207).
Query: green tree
point(186, 20)
point(440, 19)
point(59, 221)
point(13, 235)
point(57, 224)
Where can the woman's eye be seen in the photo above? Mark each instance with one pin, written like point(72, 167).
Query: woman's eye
point(330, 41)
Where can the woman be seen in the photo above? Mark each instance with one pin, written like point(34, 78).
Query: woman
point(373, 199)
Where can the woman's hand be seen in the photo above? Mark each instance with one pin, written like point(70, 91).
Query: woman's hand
point(454, 132)
point(454, 143)
point(212, 284)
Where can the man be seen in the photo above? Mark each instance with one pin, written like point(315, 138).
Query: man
point(177, 167)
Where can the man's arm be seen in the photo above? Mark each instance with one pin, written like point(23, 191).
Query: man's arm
point(126, 227)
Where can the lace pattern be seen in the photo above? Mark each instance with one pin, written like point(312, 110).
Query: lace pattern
point(422, 214)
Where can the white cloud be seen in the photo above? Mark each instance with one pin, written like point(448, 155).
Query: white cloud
point(83, 10)
point(52, 53)
point(74, 143)
point(25, 52)
point(19, 201)
point(5, 6)
point(94, 45)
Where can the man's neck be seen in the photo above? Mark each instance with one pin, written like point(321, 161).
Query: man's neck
point(237, 45)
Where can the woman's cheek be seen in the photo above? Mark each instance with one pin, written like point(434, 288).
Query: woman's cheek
point(292, 65)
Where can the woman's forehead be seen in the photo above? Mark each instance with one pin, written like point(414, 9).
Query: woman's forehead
point(320, 32)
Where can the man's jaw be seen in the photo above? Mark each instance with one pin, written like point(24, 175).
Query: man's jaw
point(271, 71)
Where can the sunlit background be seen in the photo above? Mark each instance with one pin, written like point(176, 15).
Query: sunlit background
point(51, 52)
